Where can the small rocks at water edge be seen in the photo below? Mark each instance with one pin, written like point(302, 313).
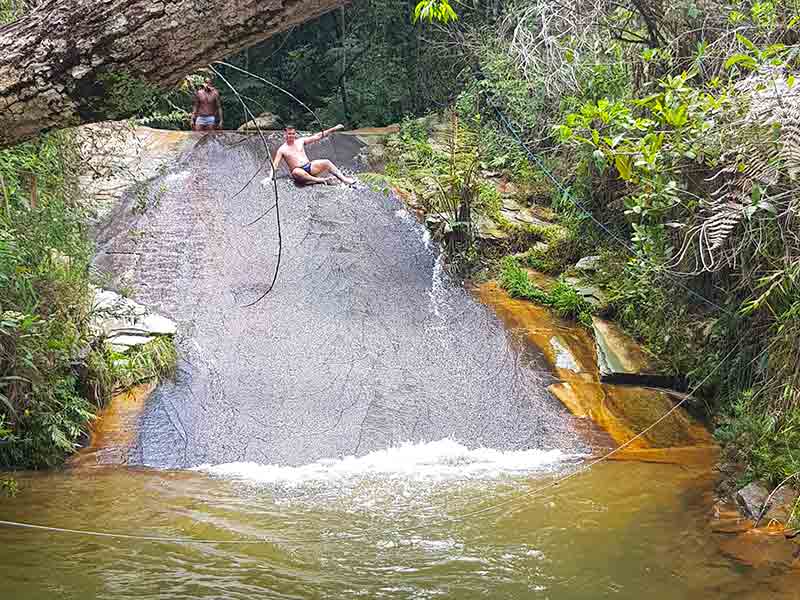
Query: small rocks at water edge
point(752, 499)
point(126, 323)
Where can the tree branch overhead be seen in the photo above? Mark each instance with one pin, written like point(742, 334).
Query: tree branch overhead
point(71, 61)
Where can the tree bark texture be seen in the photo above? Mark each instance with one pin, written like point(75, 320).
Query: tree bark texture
point(69, 61)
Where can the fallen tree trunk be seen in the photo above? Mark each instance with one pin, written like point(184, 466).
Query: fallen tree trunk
point(80, 61)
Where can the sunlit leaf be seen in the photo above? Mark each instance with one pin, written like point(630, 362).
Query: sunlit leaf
point(741, 59)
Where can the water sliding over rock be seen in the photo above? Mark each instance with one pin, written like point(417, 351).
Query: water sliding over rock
point(364, 343)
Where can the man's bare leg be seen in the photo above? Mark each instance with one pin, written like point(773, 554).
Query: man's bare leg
point(300, 176)
point(321, 166)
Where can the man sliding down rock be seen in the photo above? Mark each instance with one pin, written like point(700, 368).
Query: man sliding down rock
point(303, 170)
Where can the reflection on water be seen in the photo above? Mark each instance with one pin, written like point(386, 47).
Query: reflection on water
point(621, 530)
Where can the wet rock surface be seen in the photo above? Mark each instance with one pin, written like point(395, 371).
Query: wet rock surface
point(588, 263)
point(616, 351)
point(119, 157)
point(364, 342)
point(766, 505)
point(622, 411)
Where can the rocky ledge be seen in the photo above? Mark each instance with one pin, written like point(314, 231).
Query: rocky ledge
point(125, 324)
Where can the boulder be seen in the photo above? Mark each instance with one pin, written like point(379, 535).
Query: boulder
point(507, 188)
point(543, 213)
point(751, 499)
point(512, 205)
point(158, 325)
point(264, 121)
point(617, 352)
point(376, 155)
point(780, 506)
point(589, 292)
point(588, 263)
point(486, 229)
point(123, 342)
point(126, 323)
point(541, 247)
point(564, 358)
point(523, 216)
point(373, 136)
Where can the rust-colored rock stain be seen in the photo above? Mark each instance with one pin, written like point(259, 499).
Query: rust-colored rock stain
point(622, 411)
point(113, 433)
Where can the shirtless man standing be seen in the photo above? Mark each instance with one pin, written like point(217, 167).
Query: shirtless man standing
point(301, 169)
point(207, 108)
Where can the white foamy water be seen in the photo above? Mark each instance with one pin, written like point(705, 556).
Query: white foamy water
point(432, 461)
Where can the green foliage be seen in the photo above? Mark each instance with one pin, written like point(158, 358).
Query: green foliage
point(434, 10)
point(563, 298)
point(11, 10)
point(155, 360)
point(516, 282)
point(366, 65)
point(645, 303)
point(109, 372)
point(8, 486)
point(52, 372)
point(125, 95)
point(44, 303)
point(498, 151)
point(646, 143)
point(489, 201)
point(751, 58)
point(767, 444)
point(522, 101)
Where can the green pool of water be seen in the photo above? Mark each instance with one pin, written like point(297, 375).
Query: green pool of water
point(622, 530)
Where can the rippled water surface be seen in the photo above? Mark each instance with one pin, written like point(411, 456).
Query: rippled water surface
point(387, 526)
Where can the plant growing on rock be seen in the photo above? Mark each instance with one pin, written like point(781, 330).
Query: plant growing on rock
point(562, 298)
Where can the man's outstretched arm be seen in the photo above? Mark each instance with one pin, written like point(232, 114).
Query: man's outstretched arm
point(313, 139)
point(276, 162)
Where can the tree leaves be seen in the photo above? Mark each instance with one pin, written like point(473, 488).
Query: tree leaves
point(434, 10)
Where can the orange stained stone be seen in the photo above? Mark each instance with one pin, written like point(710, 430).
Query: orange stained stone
point(622, 411)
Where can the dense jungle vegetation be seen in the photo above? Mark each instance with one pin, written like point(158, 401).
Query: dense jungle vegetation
point(664, 138)
point(661, 136)
point(55, 370)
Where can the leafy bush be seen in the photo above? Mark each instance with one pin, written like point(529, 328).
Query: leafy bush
point(44, 304)
point(516, 282)
point(53, 373)
point(563, 298)
point(767, 444)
